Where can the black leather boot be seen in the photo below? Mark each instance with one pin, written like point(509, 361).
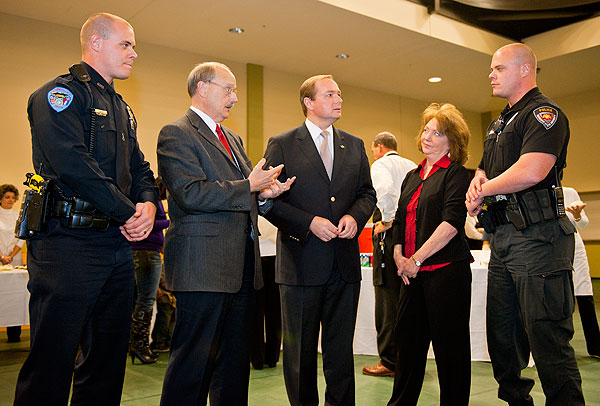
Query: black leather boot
point(138, 339)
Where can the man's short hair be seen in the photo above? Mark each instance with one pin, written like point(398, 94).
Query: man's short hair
point(452, 124)
point(100, 24)
point(203, 72)
point(308, 89)
point(387, 139)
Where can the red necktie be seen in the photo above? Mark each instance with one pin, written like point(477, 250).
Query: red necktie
point(223, 140)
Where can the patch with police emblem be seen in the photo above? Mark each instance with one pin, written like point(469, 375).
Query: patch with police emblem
point(60, 98)
point(546, 115)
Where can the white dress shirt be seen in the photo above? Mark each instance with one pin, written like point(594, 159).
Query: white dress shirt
point(213, 127)
point(315, 133)
point(581, 269)
point(8, 220)
point(387, 174)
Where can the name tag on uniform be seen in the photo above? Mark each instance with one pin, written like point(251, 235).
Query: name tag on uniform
point(102, 113)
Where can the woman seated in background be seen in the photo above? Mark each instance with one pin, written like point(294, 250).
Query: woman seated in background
point(10, 246)
point(432, 255)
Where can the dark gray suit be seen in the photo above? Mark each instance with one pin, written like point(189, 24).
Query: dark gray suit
point(320, 281)
point(212, 262)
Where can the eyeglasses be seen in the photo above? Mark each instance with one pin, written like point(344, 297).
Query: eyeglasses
point(434, 132)
point(228, 90)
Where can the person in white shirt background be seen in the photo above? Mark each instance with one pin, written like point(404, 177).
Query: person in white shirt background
point(10, 246)
point(387, 173)
point(581, 274)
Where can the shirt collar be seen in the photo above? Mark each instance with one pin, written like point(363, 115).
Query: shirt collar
point(206, 118)
point(98, 80)
point(522, 102)
point(315, 131)
point(443, 162)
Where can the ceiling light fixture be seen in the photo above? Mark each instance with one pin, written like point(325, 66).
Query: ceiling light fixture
point(434, 79)
point(236, 30)
point(342, 56)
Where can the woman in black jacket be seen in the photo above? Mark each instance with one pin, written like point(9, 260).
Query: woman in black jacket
point(432, 255)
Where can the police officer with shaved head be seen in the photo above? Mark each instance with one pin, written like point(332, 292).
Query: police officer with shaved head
point(102, 196)
point(518, 196)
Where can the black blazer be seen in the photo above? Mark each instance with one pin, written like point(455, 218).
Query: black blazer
point(302, 258)
point(442, 199)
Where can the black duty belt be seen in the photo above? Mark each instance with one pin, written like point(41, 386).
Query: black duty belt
point(521, 209)
point(81, 214)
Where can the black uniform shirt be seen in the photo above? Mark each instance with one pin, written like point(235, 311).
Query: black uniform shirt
point(116, 176)
point(534, 124)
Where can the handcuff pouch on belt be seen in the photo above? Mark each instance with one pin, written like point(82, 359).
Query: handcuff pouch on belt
point(82, 214)
point(521, 209)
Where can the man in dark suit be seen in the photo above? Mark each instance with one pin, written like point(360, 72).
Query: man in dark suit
point(318, 263)
point(212, 259)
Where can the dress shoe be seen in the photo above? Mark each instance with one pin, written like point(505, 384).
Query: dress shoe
point(159, 347)
point(378, 370)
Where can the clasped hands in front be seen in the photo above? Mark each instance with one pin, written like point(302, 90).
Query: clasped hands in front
point(325, 230)
point(138, 226)
point(406, 266)
point(266, 182)
point(474, 198)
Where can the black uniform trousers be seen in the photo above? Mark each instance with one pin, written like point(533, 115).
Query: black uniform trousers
point(387, 286)
point(81, 299)
point(436, 308)
point(530, 305)
point(266, 332)
point(210, 347)
point(306, 309)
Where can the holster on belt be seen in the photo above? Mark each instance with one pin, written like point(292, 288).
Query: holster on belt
point(520, 209)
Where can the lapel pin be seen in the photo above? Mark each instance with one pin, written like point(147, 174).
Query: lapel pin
point(342, 147)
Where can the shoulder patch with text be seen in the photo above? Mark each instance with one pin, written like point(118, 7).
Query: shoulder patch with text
point(60, 98)
point(546, 115)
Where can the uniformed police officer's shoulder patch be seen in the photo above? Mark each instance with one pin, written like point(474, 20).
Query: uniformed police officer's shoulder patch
point(60, 98)
point(546, 115)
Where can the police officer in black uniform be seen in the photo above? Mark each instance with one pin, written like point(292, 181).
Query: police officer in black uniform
point(530, 290)
point(103, 194)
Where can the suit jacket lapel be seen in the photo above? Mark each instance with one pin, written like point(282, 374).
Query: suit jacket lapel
point(238, 151)
point(208, 135)
point(307, 146)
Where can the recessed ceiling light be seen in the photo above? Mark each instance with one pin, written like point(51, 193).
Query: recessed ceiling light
point(236, 30)
point(434, 79)
point(342, 56)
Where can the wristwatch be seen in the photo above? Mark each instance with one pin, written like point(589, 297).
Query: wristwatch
point(386, 223)
point(416, 261)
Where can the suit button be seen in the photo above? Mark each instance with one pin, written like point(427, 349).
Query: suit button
point(332, 198)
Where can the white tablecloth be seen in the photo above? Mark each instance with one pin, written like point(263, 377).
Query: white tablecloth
point(14, 298)
point(365, 338)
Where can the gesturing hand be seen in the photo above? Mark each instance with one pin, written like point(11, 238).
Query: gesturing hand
point(261, 179)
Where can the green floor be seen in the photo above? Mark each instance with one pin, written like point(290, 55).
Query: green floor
point(143, 382)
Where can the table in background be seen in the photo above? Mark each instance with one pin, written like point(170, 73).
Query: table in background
point(365, 336)
point(14, 298)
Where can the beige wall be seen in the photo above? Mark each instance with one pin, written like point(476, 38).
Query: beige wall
point(365, 114)
point(583, 111)
point(34, 52)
